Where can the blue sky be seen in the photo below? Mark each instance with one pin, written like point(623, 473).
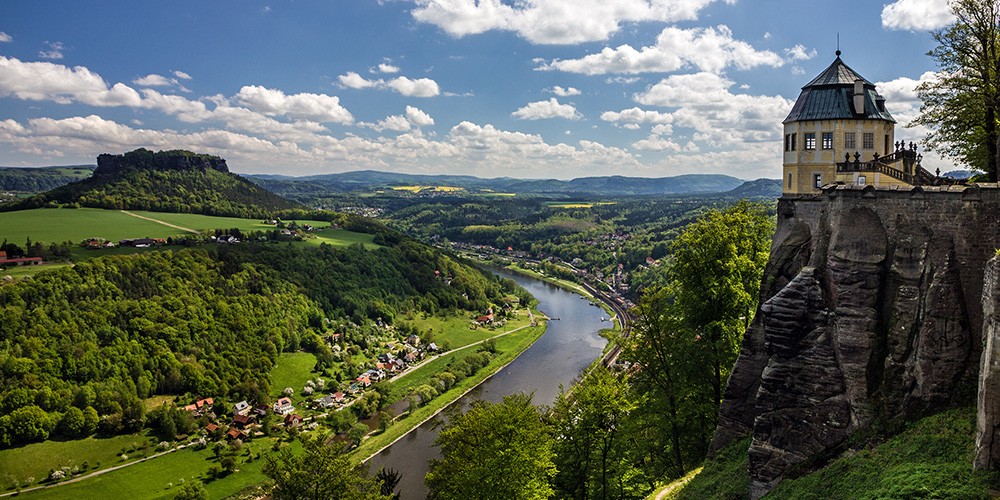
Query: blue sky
point(526, 88)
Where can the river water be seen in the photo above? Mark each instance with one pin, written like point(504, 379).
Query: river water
point(568, 346)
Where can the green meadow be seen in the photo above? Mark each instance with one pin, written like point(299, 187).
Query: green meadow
point(56, 225)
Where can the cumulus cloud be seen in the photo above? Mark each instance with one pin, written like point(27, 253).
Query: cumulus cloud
point(388, 68)
point(182, 75)
point(708, 49)
point(420, 87)
point(703, 102)
point(396, 123)
point(38, 81)
point(542, 110)
point(304, 106)
point(4, 37)
point(418, 118)
point(414, 117)
point(799, 53)
point(54, 51)
point(552, 21)
point(564, 92)
point(919, 15)
point(353, 80)
point(153, 80)
point(636, 116)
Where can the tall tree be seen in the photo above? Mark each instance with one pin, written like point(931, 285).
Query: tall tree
point(718, 264)
point(962, 105)
point(501, 451)
point(593, 455)
point(320, 472)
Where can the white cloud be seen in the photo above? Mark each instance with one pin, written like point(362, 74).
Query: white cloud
point(720, 118)
point(54, 52)
point(708, 49)
point(4, 37)
point(388, 68)
point(919, 15)
point(799, 53)
point(637, 116)
point(420, 87)
point(418, 118)
point(564, 92)
point(552, 21)
point(542, 110)
point(182, 75)
point(153, 80)
point(353, 80)
point(304, 106)
point(38, 81)
point(397, 123)
point(414, 118)
point(659, 143)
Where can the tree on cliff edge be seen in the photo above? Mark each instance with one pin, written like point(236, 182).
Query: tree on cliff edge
point(962, 105)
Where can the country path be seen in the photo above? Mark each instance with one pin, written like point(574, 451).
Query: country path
point(126, 212)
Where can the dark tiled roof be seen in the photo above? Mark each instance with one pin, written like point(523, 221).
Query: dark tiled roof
point(837, 74)
point(830, 96)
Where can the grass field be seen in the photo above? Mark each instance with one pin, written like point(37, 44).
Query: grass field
point(64, 224)
point(293, 370)
point(68, 224)
point(35, 460)
point(163, 477)
point(455, 329)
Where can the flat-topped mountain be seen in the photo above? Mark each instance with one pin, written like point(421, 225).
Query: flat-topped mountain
point(166, 181)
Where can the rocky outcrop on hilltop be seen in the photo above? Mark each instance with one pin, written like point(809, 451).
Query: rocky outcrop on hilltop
point(870, 314)
point(109, 165)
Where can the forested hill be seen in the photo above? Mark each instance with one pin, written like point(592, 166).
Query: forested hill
point(38, 179)
point(166, 181)
point(95, 339)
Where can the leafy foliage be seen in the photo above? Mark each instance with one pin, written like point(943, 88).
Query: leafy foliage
point(962, 105)
point(95, 339)
point(320, 472)
point(595, 455)
point(501, 450)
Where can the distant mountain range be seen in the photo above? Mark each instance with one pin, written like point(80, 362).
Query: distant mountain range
point(40, 179)
point(616, 185)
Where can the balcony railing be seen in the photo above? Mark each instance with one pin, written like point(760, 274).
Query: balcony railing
point(902, 164)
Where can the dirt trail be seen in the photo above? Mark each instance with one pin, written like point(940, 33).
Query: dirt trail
point(126, 212)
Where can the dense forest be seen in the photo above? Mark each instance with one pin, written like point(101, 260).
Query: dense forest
point(82, 346)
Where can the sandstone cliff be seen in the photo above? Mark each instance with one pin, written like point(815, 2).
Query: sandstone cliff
point(870, 313)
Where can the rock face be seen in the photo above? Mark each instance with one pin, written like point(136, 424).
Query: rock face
point(109, 165)
point(870, 313)
point(988, 416)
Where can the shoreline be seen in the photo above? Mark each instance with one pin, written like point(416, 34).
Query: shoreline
point(453, 400)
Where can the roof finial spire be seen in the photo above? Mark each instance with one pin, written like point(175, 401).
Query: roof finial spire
point(838, 44)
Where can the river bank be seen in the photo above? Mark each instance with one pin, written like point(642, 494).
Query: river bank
point(549, 365)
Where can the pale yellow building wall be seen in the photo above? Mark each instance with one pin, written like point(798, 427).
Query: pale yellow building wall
point(803, 164)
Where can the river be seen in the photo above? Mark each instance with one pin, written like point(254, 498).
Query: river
point(568, 346)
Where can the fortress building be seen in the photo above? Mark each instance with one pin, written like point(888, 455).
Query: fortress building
point(839, 131)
